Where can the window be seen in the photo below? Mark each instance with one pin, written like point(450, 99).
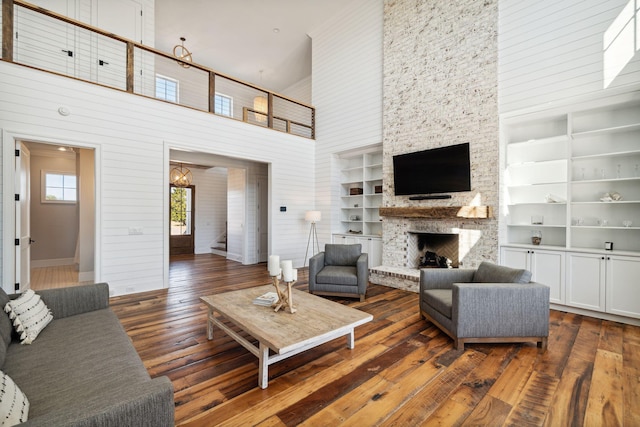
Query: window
point(223, 105)
point(59, 187)
point(166, 88)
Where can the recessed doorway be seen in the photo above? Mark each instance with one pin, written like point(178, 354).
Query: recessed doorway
point(181, 220)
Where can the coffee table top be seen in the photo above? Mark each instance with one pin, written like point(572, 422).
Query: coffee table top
point(283, 331)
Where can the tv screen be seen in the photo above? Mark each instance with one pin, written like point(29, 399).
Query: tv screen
point(439, 170)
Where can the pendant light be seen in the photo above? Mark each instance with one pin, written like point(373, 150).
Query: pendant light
point(260, 106)
point(180, 176)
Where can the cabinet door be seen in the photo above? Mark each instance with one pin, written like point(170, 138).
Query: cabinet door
point(585, 281)
point(623, 286)
point(375, 252)
point(547, 267)
point(515, 258)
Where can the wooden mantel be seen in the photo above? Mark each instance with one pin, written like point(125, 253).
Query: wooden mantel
point(439, 212)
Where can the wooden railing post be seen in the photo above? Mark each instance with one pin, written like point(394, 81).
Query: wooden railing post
point(7, 30)
point(130, 67)
point(313, 123)
point(270, 111)
point(212, 92)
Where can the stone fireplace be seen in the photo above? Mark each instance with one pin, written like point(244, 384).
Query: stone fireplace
point(472, 236)
point(432, 250)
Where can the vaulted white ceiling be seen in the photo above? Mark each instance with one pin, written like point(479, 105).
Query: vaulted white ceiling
point(237, 37)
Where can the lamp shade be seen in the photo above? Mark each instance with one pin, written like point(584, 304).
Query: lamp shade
point(261, 107)
point(313, 216)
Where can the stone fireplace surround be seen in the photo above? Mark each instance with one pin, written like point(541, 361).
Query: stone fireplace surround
point(399, 271)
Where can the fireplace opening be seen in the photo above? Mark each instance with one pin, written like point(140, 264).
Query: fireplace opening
point(434, 250)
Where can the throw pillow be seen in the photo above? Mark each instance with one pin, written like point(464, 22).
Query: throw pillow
point(14, 405)
point(29, 315)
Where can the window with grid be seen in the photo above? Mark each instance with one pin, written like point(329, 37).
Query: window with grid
point(223, 105)
point(59, 187)
point(166, 88)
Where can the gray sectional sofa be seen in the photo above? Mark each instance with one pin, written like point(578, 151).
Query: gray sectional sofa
point(82, 370)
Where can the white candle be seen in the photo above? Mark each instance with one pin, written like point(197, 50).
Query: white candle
point(274, 265)
point(287, 270)
point(295, 274)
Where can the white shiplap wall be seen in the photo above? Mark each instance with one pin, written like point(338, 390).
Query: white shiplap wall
point(132, 137)
point(211, 206)
point(300, 90)
point(347, 94)
point(553, 50)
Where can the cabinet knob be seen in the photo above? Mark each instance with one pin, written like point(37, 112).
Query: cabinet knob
point(602, 258)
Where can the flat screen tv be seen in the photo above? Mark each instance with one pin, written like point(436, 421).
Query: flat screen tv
point(439, 170)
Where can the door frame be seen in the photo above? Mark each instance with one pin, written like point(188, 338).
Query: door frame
point(9, 139)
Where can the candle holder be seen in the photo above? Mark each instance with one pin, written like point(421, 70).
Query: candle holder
point(285, 297)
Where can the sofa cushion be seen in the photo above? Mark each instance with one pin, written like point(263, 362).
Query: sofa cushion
point(491, 273)
point(440, 300)
point(335, 254)
point(74, 358)
point(29, 314)
point(338, 275)
point(14, 405)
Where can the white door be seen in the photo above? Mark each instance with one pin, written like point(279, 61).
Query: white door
point(123, 18)
point(23, 218)
point(46, 42)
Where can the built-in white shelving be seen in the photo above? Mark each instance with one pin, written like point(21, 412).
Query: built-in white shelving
point(361, 193)
point(560, 166)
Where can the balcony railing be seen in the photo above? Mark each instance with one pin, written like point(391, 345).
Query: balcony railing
point(42, 39)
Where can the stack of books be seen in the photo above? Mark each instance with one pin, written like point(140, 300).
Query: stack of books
point(267, 299)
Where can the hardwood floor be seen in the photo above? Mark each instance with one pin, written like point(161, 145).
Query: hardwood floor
point(402, 372)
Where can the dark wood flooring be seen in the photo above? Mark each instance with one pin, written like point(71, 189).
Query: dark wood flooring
point(402, 372)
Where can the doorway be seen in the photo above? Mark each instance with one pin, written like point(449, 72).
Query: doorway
point(55, 215)
point(181, 220)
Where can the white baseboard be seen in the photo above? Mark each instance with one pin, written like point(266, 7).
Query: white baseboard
point(52, 262)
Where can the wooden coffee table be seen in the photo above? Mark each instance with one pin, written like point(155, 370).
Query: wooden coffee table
point(316, 321)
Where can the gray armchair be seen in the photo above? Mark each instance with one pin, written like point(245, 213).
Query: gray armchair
point(491, 304)
point(341, 270)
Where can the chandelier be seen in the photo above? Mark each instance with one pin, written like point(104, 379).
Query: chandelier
point(180, 176)
point(182, 53)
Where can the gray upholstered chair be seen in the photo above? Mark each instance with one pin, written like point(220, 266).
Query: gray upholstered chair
point(491, 304)
point(341, 270)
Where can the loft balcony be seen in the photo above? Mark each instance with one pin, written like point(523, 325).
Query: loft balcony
point(47, 41)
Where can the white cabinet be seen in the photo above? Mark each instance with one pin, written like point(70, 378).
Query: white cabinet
point(596, 281)
point(586, 281)
point(604, 282)
point(370, 245)
point(546, 266)
point(361, 193)
point(623, 286)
